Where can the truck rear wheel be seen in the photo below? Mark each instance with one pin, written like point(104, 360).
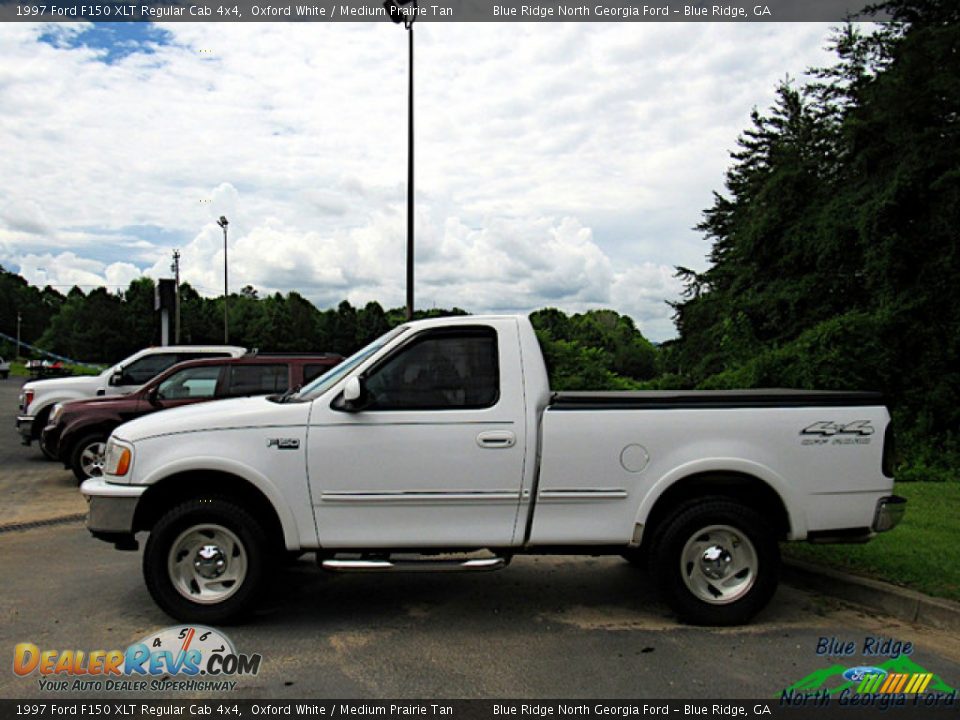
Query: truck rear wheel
point(206, 561)
point(717, 562)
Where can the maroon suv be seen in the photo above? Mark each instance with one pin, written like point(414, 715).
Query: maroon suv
point(77, 431)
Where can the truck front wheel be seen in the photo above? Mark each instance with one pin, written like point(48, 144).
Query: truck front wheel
point(717, 562)
point(86, 458)
point(206, 561)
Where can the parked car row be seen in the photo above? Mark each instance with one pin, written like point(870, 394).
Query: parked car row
point(73, 417)
point(76, 432)
point(37, 398)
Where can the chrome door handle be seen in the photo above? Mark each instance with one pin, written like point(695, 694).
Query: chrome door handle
point(496, 439)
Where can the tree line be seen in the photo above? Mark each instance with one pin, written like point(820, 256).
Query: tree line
point(599, 349)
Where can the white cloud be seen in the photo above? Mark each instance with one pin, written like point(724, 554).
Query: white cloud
point(67, 269)
point(557, 164)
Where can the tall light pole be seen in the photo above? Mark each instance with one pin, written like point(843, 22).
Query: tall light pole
point(176, 279)
point(19, 319)
point(222, 222)
point(405, 11)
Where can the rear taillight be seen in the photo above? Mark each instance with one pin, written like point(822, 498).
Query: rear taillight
point(889, 451)
point(27, 399)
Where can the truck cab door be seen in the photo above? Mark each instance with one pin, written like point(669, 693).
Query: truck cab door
point(432, 453)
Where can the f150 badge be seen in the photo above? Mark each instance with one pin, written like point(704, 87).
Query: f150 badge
point(823, 432)
point(283, 443)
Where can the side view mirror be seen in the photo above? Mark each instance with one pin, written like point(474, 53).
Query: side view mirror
point(153, 397)
point(352, 390)
point(353, 397)
point(116, 378)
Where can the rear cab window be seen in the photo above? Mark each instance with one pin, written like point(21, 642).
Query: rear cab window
point(258, 379)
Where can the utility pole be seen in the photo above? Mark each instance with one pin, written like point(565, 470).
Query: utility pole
point(19, 320)
point(410, 179)
point(406, 11)
point(176, 305)
point(222, 222)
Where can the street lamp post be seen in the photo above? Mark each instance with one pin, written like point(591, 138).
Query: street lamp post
point(222, 222)
point(19, 319)
point(405, 11)
point(176, 305)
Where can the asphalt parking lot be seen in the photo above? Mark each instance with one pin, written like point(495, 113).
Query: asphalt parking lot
point(543, 628)
point(32, 487)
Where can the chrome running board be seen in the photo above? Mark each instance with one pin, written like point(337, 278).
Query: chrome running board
point(427, 565)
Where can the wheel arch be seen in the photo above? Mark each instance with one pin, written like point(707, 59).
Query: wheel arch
point(747, 486)
point(178, 487)
point(36, 409)
point(74, 433)
point(40, 418)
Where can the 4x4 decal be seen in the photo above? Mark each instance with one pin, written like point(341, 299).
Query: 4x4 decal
point(828, 429)
point(823, 432)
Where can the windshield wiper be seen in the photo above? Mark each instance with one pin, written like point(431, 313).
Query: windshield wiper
point(287, 395)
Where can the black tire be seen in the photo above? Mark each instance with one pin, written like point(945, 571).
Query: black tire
point(195, 517)
point(733, 535)
point(638, 557)
point(79, 456)
point(39, 423)
point(6, 374)
point(47, 453)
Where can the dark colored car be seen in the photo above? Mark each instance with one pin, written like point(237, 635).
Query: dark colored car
point(77, 431)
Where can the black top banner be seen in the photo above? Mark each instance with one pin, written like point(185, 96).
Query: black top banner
point(437, 11)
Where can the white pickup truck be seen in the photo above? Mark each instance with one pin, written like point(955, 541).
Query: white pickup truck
point(39, 397)
point(442, 442)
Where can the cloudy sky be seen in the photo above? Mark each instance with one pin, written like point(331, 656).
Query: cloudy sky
point(557, 164)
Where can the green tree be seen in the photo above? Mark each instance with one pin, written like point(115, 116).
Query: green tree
point(834, 250)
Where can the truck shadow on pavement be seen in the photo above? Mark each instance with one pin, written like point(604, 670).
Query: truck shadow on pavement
point(589, 593)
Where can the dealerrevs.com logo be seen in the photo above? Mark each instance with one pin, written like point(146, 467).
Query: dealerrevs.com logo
point(188, 658)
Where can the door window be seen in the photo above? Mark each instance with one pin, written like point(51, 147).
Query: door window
point(257, 379)
point(149, 366)
point(191, 383)
point(441, 370)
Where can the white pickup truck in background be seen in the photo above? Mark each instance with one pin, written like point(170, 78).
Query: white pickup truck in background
point(38, 397)
point(442, 438)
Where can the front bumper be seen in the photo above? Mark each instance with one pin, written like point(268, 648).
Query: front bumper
point(112, 511)
point(889, 513)
point(25, 428)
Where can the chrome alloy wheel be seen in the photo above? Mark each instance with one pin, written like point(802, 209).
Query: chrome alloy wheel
point(207, 564)
point(718, 564)
point(91, 459)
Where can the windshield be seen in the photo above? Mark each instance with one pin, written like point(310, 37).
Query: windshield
point(335, 374)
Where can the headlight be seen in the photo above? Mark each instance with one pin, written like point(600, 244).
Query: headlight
point(117, 459)
point(55, 414)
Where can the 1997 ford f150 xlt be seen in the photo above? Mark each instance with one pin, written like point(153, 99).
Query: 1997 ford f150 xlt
point(443, 437)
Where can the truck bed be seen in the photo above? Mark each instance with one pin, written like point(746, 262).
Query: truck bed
point(706, 399)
